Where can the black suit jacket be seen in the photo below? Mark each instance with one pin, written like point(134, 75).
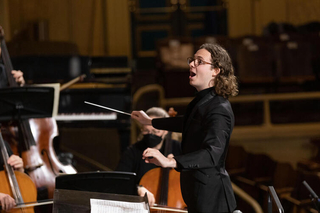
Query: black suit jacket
point(205, 184)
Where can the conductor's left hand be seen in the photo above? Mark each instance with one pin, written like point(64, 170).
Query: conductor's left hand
point(156, 157)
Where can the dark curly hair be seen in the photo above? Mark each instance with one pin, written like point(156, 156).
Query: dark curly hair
point(225, 82)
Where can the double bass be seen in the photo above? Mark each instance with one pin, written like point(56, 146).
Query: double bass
point(16, 184)
point(164, 183)
point(36, 141)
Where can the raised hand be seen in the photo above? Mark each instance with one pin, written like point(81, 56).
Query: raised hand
point(141, 117)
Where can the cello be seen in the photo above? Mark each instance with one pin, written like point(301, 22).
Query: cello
point(12, 181)
point(35, 141)
point(164, 183)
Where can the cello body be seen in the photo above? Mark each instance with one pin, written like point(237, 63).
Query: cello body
point(152, 181)
point(27, 188)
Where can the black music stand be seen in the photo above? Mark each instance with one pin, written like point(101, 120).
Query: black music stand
point(17, 103)
point(115, 182)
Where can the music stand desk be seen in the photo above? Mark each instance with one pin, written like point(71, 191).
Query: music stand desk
point(17, 103)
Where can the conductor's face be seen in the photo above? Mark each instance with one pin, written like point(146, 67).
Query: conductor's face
point(201, 71)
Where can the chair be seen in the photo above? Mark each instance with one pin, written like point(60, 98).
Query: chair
point(259, 171)
point(299, 199)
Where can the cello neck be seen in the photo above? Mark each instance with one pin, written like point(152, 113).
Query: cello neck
point(10, 172)
point(6, 60)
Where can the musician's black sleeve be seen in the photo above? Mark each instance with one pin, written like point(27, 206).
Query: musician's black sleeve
point(173, 124)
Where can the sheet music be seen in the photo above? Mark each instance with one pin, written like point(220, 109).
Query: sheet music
point(111, 206)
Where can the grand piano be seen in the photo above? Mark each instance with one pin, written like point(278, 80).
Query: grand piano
point(96, 137)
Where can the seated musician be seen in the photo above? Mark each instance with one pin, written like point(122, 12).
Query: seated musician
point(17, 75)
point(131, 160)
point(6, 201)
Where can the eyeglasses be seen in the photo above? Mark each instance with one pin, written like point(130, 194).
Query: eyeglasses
point(197, 61)
point(153, 132)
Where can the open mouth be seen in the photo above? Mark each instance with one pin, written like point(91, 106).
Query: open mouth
point(192, 74)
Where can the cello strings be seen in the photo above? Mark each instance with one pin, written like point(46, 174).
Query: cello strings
point(97, 105)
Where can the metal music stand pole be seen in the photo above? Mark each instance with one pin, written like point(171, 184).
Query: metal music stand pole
point(313, 196)
point(273, 196)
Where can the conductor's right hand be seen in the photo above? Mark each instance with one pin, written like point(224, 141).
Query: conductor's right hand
point(141, 192)
point(141, 117)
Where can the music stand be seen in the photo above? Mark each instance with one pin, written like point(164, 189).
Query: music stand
point(105, 182)
point(17, 103)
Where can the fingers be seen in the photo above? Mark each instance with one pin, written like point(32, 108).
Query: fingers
point(170, 156)
point(7, 202)
point(148, 155)
point(141, 192)
point(151, 199)
point(149, 152)
point(141, 117)
point(154, 156)
point(15, 161)
point(18, 76)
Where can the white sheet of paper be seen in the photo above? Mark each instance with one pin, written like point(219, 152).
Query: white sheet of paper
point(111, 206)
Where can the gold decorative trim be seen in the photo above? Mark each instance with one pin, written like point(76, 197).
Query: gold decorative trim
point(112, 70)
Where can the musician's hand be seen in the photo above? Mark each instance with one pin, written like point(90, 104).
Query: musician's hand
point(141, 192)
point(18, 76)
point(16, 162)
point(6, 201)
point(141, 117)
point(156, 157)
